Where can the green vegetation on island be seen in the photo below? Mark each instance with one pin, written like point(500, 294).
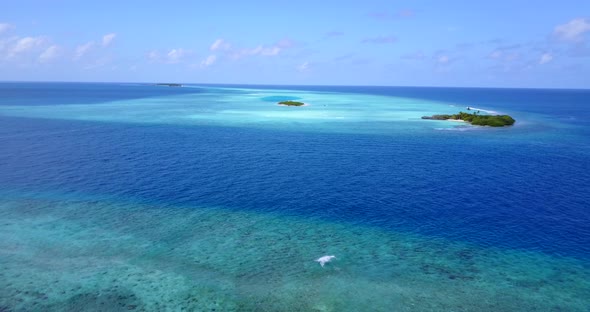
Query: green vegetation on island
point(291, 103)
point(477, 119)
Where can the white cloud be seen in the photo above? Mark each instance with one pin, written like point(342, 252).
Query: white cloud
point(6, 48)
point(303, 67)
point(545, 58)
point(266, 51)
point(81, 50)
point(176, 55)
point(153, 56)
point(84, 49)
point(261, 50)
point(107, 39)
point(4, 27)
point(49, 54)
point(210, 60)
point(573, 30)
point(173, 56)
point(26, 44)
point(220, 44)
point(504, 55)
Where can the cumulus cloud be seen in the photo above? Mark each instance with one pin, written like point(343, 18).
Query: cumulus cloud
point(268, 51)
point(546, 58)
point(173, 56)
point(573, 30)
point(380, 40)
point(176, 55)
point(220, 44)
point(303, 67)
point(29, 50)
point(504, 55)
point(263, 50)
point(153, 56)
point(5, 27)
point(6, 46)
point(25, 44)
point(26, 50)
point(225, 49)
point(49, 54)
point(86, 48)
point(81, 50)
point(210, 60)
point(108, 39)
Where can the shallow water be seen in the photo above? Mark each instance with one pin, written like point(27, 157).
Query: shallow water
point(325, 112)
point(135, 197)
point(67, 254)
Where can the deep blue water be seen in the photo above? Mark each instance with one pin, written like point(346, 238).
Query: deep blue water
point(80, 93)
point(530, 191)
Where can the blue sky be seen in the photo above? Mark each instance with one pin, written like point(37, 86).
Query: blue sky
point(406, 43)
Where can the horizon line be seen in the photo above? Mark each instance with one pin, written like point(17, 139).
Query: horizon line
point(293, 85)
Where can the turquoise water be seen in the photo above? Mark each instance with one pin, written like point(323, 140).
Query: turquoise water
point(326, 111)
point(74, 254)
point(134, 197)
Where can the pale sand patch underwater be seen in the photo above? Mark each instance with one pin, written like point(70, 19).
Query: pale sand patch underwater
point(330, 112)
point(97, 255)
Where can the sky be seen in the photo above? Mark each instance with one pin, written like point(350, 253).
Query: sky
point(519, 44)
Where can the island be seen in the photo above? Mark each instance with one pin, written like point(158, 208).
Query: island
point(169, 84)
point(477, 119)
point(291, 103)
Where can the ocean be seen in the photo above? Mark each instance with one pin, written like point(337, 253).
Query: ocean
point(121, 196)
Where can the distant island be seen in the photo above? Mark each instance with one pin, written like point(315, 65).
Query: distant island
point(477, 119)
point(291, 103)
point(169, 84)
